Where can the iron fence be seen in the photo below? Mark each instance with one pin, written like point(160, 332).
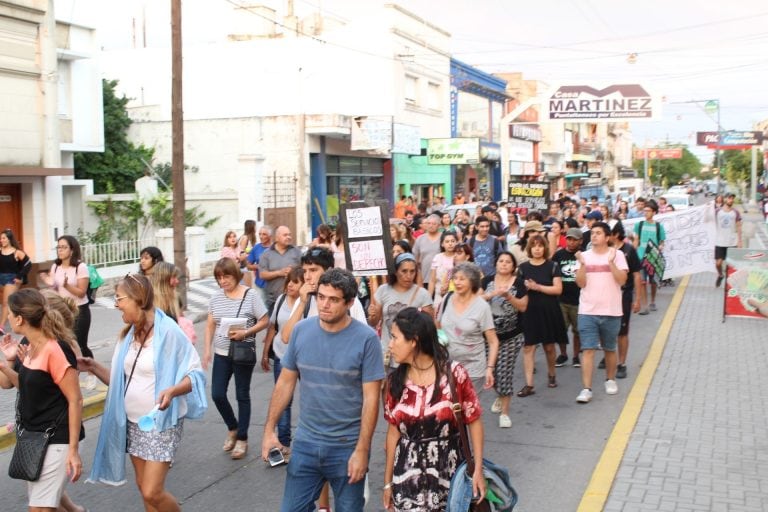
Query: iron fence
point(115, 253)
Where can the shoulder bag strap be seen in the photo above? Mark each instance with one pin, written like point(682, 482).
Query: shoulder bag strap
point(413, 295)
point(459, 415)
point(128, 383)
point(443, 305)
point(277, 311)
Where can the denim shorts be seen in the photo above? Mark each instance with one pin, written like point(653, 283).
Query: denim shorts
point(7, 279)
point(599, 330)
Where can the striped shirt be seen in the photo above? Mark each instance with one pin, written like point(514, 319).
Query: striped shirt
point(223, 307)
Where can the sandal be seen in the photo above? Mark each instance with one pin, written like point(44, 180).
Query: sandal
point(552, 381)
point(229, 442)
point(240, 449)
point(526, 391)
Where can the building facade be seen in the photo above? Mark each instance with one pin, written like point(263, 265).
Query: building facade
point(51, 108)
point(324, 112)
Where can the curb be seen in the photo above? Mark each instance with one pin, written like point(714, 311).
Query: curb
point(599, 487)
point(92, 406)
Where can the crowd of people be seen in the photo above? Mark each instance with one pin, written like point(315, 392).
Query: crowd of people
point(466, 295)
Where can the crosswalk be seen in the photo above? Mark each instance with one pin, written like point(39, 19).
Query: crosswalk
point(199, 296)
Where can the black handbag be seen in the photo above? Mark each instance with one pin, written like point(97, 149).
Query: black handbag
point(29, 452)
point(242, 352)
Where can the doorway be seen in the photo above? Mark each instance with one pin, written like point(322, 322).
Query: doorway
point(10, 209)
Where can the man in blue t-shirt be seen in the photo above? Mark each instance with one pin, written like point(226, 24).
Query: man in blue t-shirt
point(484, 246)
point(341, 367)
point(265, 242)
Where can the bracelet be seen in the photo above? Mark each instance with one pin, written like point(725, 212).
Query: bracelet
point(388, 485)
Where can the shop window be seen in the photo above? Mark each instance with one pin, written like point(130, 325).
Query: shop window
point(473, 116)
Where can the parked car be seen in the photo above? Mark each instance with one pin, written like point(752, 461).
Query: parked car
point(676, 190)
point(679, 201)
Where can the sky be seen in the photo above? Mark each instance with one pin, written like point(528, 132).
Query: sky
point(686, 51)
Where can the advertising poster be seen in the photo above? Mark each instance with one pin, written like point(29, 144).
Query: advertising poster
point(529, 195)
point(367, 247)
point(746, 283)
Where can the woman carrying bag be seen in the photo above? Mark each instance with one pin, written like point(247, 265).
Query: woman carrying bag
point(232, 302)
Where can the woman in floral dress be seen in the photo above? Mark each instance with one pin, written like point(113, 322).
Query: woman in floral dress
point(422, 443)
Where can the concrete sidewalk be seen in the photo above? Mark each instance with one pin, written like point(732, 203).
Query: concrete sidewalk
point(700, 440)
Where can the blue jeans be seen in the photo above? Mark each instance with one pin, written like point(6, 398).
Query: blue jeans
point(223, 369)
point(311, 465)
point(284, 423)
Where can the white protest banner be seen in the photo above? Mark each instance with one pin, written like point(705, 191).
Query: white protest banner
point(690, 240)
point(368, 258)
point(364, 222)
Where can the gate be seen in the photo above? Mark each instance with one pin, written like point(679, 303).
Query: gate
point(280, 201)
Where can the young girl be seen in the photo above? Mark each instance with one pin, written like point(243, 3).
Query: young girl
point(230, 249)
point(442, 267)
point(14, 267)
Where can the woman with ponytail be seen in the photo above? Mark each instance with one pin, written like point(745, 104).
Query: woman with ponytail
point(422, 445)
point(49, 393)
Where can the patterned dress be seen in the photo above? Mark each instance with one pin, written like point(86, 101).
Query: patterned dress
point(511, 338)
point(428, 451)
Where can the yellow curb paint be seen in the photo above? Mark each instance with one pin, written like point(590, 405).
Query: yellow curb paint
point(596, 494)
point(92, 406)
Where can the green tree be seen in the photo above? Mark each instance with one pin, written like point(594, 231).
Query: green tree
point(737, 165)
point(122, 162)
point(672, 171)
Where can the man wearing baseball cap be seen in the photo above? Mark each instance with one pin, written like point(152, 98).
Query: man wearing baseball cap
point(569, 298)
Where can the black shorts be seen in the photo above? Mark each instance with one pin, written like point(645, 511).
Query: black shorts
point(720, 252)
point(626, 313)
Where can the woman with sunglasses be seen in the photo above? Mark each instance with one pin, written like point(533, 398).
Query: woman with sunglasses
point(400, 292)
point(154, 366)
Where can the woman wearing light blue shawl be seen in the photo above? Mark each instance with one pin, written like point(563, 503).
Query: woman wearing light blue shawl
point(170, 367)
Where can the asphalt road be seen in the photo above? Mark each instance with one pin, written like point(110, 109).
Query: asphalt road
point(550, 450)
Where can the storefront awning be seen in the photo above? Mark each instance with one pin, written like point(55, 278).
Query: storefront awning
point(576, 175)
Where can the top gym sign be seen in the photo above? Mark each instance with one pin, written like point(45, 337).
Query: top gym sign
point(623, 102)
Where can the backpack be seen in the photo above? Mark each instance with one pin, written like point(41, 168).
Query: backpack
point(640, 230)
point(94, 282)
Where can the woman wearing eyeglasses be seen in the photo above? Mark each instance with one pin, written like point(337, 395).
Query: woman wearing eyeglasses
point(14, 267)
point(154, 365)
point(69, 278)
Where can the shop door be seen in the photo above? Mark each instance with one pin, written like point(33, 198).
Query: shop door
point(10, 209)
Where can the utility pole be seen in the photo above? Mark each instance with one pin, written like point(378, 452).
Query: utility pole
point(177, 158)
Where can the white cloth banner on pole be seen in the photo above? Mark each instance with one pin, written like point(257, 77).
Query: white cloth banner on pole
point(689, 247)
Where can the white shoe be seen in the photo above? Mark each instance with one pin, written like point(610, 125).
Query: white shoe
point(504, 421)
point(610, 387)
point(496, 407)
point(585, 396)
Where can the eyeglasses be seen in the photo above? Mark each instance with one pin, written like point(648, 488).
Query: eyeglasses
point(132, 277)
point(118, 298)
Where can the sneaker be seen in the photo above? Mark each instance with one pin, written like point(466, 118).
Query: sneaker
point(610, 387)
point(652, 306)
point(561, 360)
point(504, 421)
point(585, 396)
point(643, 311)
point(719, 281)
point(601, 364)
point(496, 407)
point(621, 371)
point(576, 362)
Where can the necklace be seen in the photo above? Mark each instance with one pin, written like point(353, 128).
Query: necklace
point(430, 365)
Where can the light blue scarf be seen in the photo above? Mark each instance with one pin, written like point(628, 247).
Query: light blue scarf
point(175, 358)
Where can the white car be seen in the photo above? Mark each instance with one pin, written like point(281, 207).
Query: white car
point(679, 201)
point(677, 190)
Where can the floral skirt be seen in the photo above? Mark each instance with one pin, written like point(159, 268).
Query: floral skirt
point(154, 445)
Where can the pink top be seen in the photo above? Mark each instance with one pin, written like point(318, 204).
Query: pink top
point(231, 252)
point(72, 274)
point(602, 294)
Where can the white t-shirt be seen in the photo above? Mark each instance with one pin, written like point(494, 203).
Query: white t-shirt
point(726, 222)
point(280, 318)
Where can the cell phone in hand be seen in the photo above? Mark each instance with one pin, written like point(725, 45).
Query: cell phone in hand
point(275, 457)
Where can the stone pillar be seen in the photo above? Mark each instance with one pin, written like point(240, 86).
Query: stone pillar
point(164, 239)
point(195, 240)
